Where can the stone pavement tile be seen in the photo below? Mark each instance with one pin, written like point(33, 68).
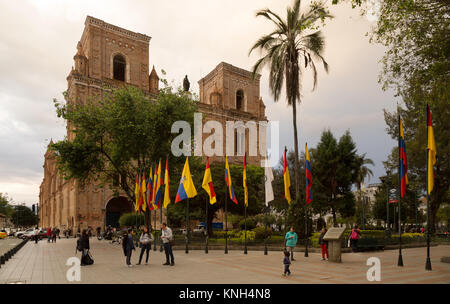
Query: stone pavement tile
point(45, 263)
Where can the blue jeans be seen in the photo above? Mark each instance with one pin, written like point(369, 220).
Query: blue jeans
point(129, 256)
point(169, 253)
point(145, 248)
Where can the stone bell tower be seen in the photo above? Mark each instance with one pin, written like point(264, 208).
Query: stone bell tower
point(107, 57)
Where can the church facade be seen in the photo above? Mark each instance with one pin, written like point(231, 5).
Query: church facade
point(110, 56)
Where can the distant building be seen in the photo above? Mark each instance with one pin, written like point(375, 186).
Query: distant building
point(4, 221)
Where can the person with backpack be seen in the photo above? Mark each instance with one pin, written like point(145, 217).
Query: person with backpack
point(354, 236)
point(323, 244)
point(286, 263)
point(83, 246)
point(145, 243)
point(128, 246)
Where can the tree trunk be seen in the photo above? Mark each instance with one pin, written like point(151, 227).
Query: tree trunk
point(209, 223)
point(296, 161)
point(334, 216)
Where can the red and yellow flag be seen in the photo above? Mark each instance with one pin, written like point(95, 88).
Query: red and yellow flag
point(287, 179)
point(136, 192)
point(431, 148)
point(143, 193)
point(208, 185)
point(166, 184)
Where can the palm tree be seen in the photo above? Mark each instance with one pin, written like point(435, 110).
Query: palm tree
point(290, 48)
point(363, 170)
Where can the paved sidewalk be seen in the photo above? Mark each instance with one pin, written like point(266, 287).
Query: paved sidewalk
point(7, 244)
point(45, 263)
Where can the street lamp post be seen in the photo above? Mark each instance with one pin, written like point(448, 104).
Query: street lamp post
point(388, 231)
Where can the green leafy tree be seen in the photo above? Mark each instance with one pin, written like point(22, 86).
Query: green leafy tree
point(5, 205)
point(198, 204)
point(294, 45)
point(416, 34)
point(118, 136)
point(443, 214)
point(336, 166)
point(22, 216)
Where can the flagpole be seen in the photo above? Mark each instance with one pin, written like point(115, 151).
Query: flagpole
point(285, 223)
point(400, 258)
point(160, 230)
point(428, 261)
point(226, 224)
point(306, 231)
point(265, 234)
point(245, 227)
point(206, 226)
point(156, 229)
point(285, 205)
point(306, 213)
point(388, 228)
point(187, 226)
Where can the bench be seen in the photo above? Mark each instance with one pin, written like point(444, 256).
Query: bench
point(369, 243)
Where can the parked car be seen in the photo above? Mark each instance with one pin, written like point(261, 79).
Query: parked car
point(199, 229)
point(19, 234)
point(11, 231)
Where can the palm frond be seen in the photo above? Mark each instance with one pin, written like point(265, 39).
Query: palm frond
point(267, 13)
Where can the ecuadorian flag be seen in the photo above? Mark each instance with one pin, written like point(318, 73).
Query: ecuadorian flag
point(159, 183)
point(228, 181)
point(150, 190)
point(403, 163)
point(186, 188)
point(308, 178)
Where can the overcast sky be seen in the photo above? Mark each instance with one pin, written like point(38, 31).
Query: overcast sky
point(38, 41)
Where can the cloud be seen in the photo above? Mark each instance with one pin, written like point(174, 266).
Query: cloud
point(38, 41)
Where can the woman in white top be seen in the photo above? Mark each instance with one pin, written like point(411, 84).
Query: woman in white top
point(145, 242)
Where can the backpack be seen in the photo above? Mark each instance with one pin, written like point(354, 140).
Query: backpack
point(79, 245)
point(354, 235)
point(87, 259)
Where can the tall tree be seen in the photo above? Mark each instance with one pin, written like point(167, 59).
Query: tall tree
point(335, 170)
point(5, 205)
point(23, 216)
point(294, 45)
point(119, 135)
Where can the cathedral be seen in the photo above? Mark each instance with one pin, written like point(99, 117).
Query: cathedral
point(107, 57)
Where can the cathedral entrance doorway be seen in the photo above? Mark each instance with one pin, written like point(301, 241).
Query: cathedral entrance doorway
point(115, 208)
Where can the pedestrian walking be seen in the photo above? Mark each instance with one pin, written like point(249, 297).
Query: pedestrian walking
point(83, 246)
point(128, 246)
point(323, 244)
point(145, 243)
point(354, 236)
point(167, 239)
point(291, 241)
point(36, 235)
point(49, 235)
point(286, 263)
point(53, 233)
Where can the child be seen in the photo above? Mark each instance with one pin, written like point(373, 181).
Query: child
point(286, 263)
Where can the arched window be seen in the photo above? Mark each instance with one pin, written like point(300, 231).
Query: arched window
point(119, 66)
point(239, 100)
